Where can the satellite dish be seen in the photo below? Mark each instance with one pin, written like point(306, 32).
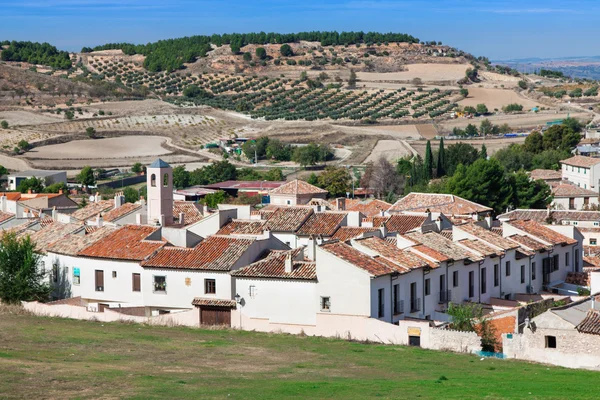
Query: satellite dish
point(92, 198)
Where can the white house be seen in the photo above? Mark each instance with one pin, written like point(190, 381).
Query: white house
point(47, 177)
point(568, 196)
point(296, 192)
point(582, 171)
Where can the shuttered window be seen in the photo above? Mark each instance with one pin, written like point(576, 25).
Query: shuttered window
point(99, 280)
point(136, 283)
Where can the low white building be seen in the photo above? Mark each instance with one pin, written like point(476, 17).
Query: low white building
point(296, 192)
point(47, 177)
point(582, 171)
point(568, 196)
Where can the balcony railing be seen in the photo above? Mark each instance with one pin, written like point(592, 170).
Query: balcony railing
point(415, 305)
point(399, 307)
point(445, 296)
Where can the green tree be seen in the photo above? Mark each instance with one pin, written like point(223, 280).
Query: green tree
point(464, 92)
point(195, 92)
point(3, 171)
point(336, 180)
point(4, 124)
point(34, 184)
point(56, 188)
point(470, 110)
point(428, 164)
point(514, 158)
point(256, 147)
point(278, 150)
point(523, 85)
point(404, 165)
point(486, 127)
point(549, 159)
point(482, 109)
point(471, 130)
point(573, 124)
point(529, 194)
point(274, 174)
point(131, 195)
point(261, 53)
point(441, 161)
point(181, 177)
point(24, 145)
point(212, 200)
point(86, 176)
point(311, 154)
point(313, 179)
point(460, 153)
point(247, 57)
point(534, 142)
point(483, 182)
point(483, 153)
point(137, 168)
point(286, 50)
point(21, 277)
point(90, 132)
point(352, 79)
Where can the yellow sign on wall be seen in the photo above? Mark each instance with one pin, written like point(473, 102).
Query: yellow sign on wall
point(414, 331)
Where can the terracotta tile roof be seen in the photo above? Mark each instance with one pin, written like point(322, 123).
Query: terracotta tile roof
point(545, 174)
point(324, 223)
point(591, 250)
point(192, 211)
point(44, 222)
point(72, 301)
point(51, 234)
point(590, 324)
point(440, 244)
point(404, 223)
point(431, 253)
point(591, 263)
point(352, 232)
point(581, 161)
point(447, 204)
point(91, 229)
point(215, 253)
point(578, 278)
point(542, 232)
point(72, 244)
point(376, 266)
point(480, 247)
point(404, 258)
point(370, 208)
point(498, 230)
point(447, 233)
point(273, 266)
point(529, 242)
point(5, 216)
point(297, 187)
point(570, 190)
point(558, 216)
point(199, 301)
point(392, 240)
point(487, 236)
point(243, 227)
point(93, 209)
point(11, 196)
point(120, 212)
point(126, 243)
point(288, 219)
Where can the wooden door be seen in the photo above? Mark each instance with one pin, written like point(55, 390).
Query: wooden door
point(215, 316)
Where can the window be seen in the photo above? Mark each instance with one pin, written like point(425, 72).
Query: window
point(556, 263)
point(471, 283)
point(496, 275)
point(567, 259)
point(43, 267)
point(76, 276)
point(66, 270)
point(483, 280)
point(397, 304)
point(166, 180)
point(288, 202)
point(153, 180)
point(160, 284)
point(136, 284)
point(550, 342)
point(252, 291)
point(325, 304)
point(114, 274)
point(415, 302)
point(577, 260)
point(455, 279)
point(427, 287)
point(593, 242)
point(99, 280)
point(55, 273)
point(596, 224)
point(522, 274)
point(210, 286)
point(586, 200)
point(380, 303)
point(508, 268)
point(571, 203)
point(533, 271)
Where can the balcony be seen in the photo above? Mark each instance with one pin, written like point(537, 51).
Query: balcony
point(415, 305)
point(445, 296)
point(399, 307)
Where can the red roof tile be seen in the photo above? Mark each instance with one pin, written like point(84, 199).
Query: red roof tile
point(192, 212)
point(581, 161)
point(376, 266)
point(545, 174)
point(72, 244)
point(243, 227)
point(288, 219)
point(529, 242)
point(51, 234)
point(324, 223)
point(480, 247)
point(570, 190)
point(401, 257)
point(440, 244)
point(5, 216)
point(447, 204)
point(487, 236)
point(93, 209)
point(215, 253)
point(198, 301)
point(126, 243)
point(351, 232)
point(590, 324)
point(403, 223)
point(273, 266)
point(297, 187)
point(542, 232)
point(370, 208)
point(120, 212)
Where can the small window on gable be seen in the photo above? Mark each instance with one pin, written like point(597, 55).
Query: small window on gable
point(153, 180)
point(550, 342)
point(252, 291)
point(592, 242)
point(325, 304)
point(114, 274)
point(166, 180)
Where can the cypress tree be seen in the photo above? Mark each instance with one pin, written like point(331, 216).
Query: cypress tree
point(483, 153)
point(441, 162)
point(428, 164)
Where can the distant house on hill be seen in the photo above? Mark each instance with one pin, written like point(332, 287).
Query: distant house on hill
point(296, 192)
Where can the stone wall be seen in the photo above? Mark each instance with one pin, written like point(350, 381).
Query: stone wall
point(461, 342)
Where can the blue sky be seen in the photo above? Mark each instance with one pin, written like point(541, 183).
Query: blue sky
point(497, 29)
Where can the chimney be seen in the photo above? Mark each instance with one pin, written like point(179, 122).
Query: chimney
point(142, 201)
point(204, 209)
point(99, 221)
point(29, 191)
point(3, 202)
point(97, 197)
point(182, 218)
point(119, 199)
point(288, 263)
point(438, 223)
point(60, 191)
point(54, 214)
point(340, 203)
point(488, 220)
point(138, 219)
point(162, 220)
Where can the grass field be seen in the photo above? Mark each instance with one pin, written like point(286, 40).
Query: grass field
point(59, 358)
